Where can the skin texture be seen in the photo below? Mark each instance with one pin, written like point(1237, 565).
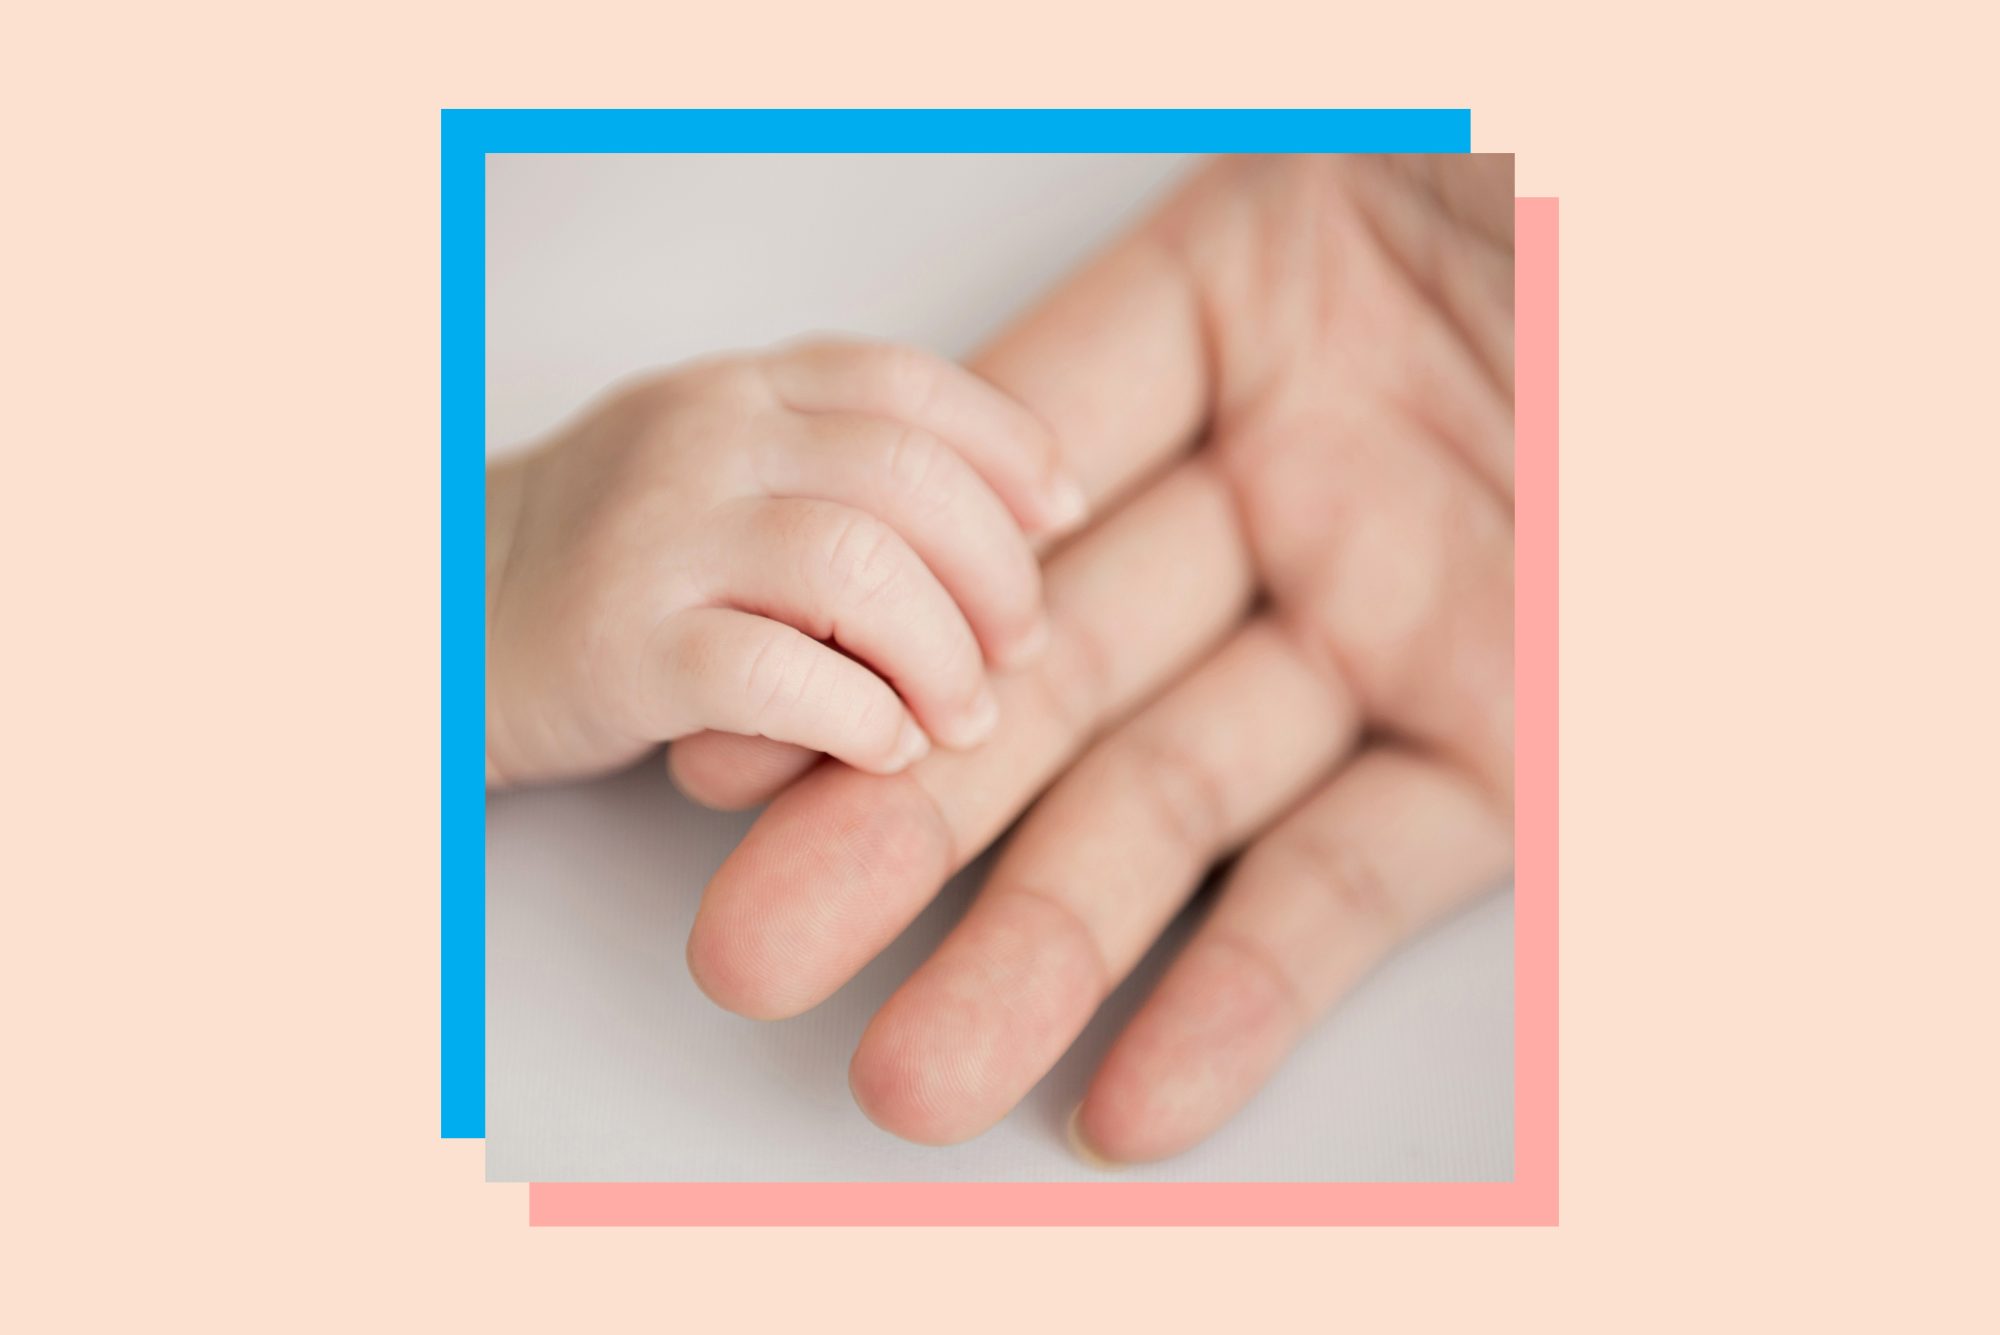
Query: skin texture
point(1289, 637)
point(795, 545)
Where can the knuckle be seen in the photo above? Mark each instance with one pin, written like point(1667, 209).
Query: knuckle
point(772, 678)
point(905, 377)
point(1076, 677)
point(860, 556)
point(1349, 882)
point(821, 347)
point(915, 467)
point(727, 377)
point(1186, 795)
point(1258, 961)
point(874, 715)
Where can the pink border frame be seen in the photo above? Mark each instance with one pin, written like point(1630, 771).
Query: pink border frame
point(1531, 1198)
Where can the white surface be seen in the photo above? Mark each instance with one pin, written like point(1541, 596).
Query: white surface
point(605, 1062)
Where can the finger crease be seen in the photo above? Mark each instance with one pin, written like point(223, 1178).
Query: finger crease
point(1350, 883)
point(1264, 963)
point(1186, 797)
point(1093, 948)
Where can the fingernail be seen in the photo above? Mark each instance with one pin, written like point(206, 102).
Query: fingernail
point(1030, 647)
point(1067, 505)
point(1082, 1148)
point(911, 745)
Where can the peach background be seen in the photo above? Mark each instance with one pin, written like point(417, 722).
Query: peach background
point(1778, 658)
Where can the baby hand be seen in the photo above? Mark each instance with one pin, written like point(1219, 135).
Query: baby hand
point(688, 556)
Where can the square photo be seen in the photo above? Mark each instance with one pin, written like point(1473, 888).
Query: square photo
point(1000, 668)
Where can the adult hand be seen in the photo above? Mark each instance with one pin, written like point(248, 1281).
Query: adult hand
point(1294, 640)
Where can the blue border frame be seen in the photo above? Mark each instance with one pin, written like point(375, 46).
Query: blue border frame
point(466, 137)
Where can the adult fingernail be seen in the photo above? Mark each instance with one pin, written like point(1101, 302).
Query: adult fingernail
point(911, 745)
point(1067, 505)
point(1082, 1148)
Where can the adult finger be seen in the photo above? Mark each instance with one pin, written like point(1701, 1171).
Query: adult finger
point(917, 485)
point(841, 861)
point(1394, 842)
point(729, 772)
point(1113, 366)
point(751, 675)
point(839, 574)
point(1114, 361)
point(1094, 874)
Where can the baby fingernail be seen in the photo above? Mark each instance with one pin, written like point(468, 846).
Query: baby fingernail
point(911, 745)
point(1082, 1147)
point(1067, 505)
